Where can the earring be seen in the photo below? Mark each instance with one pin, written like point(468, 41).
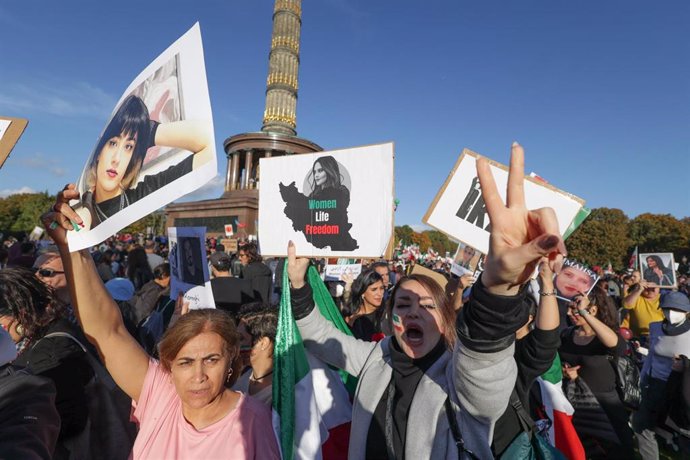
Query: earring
point(227, 379)
point(20, 330)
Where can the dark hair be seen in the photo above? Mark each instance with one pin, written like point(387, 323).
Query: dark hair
point(260, 321)
point(332, 170)
point(30, 301)
point(131, 118)
point(251, 250)
point(162, 271)
point(606, 310)
point(359, 287)
point(193, 324)
point(27, 247)
point(138, 269)
point(380, 263)
point(657, 260)
point(441, 301)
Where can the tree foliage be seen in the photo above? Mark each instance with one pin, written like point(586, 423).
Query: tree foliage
point(660, 233)
point(22, 212)
point(602, 238)
point(440, 242)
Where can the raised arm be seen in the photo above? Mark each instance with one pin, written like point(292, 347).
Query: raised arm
point(98, 314)
point(192, 135)
point(548, 317)
point(484, 366)
point(631, 298)
point(606, 335)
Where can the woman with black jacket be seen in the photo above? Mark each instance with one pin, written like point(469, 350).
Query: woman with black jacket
point(535, 350)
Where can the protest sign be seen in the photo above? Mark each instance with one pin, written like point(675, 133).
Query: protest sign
point(574, 279)
point(657, 268)
point(335, 272)
point(436, 276)
point(465, 260)
point(230, 245)
point(458, 209)
point(229, 231)
point(188, 265)
point(337, 203)
point(36, 233)
point(11, 130)
point(157, 146)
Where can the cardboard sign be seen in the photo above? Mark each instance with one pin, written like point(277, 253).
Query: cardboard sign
point(167, 151)
point(465, 260)
point(459, 211)
point(11, 129)
point(229, 231)
point(657, 268)
point(337, 203)
point(438, 277)
point(574, 279)
point(335, 272)
point(229, 244)
point(188, 265)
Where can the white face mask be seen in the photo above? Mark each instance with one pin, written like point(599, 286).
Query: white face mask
point(675, 316)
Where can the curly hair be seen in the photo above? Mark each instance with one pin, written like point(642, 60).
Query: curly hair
point(30, 301)
point(260, 321)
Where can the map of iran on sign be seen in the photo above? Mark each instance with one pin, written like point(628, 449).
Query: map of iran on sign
point(459, 211)
point(337, 203)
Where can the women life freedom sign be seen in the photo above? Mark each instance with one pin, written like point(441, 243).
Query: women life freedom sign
point(337, 203)
point(459, 210)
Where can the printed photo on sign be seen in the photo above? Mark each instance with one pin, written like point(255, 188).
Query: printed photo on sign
point(573, 280)
point(157, 146)
point(458, 210)
point(465, 260)
point(337, 203)
point(188, 264)
point(657, 268)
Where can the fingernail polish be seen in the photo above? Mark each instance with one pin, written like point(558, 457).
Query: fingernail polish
point(548, 242)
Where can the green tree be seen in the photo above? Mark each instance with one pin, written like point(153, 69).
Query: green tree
point(440, 242)
point(22, 212)
point(602, 238)
point(403, 234)
point(659, 233)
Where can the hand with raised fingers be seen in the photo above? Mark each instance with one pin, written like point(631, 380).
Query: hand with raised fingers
point(297, 267)
point(62, 217)
point(519, 237)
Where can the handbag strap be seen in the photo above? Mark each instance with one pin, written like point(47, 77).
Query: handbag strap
point(526, 421)
point(455, 430)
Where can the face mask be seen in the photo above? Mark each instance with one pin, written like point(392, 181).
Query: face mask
point(675, 316)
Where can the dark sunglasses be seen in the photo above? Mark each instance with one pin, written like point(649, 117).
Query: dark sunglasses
point(47, 272)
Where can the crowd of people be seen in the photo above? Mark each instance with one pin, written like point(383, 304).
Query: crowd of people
point(443, 371)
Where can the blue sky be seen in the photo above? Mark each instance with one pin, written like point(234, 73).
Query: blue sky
point(597, 92)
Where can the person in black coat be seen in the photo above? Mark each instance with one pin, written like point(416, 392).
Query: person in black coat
point(256, 272)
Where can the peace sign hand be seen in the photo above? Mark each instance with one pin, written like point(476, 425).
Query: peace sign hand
point(519, 237)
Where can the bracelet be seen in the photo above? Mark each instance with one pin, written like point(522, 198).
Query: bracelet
point(545, 294)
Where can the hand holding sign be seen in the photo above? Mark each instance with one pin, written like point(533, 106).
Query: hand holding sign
point(519, 237)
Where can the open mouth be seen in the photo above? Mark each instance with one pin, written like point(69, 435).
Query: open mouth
point(414, 335)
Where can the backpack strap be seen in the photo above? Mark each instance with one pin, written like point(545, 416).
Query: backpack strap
point(98, 369)
point(526, 421)
point(455, 430)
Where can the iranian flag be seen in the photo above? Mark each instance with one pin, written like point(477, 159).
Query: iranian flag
point(559, 410)
point(319, 425)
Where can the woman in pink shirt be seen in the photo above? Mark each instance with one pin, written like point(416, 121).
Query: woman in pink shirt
point(182, 405)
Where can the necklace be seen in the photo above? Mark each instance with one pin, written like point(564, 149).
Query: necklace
point(124, 201)
point(256, 379)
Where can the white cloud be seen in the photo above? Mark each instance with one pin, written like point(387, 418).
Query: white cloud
point(212, 189)
point(7, 192)
point(73, 99)
point(41, 162)
point(419, 228)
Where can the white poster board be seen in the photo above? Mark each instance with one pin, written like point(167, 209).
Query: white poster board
point(335, 272)
point(459, 211)
point(189, 267)
point(157, 146)
point(658, 268)
point(330, 204)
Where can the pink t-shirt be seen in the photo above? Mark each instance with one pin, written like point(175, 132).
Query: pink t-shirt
point(246, 432)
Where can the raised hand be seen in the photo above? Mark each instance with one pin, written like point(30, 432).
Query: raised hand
point(519, 237)
point(297, 267)
point(61, 216)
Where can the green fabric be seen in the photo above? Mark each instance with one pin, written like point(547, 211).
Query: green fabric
point(555, 373)
point(328, 309)
point(290, 365)
point(524, 448)
point(580, 217)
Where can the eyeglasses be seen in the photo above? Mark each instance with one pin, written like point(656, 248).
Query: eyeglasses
point(47, 272)
point(243, 255)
